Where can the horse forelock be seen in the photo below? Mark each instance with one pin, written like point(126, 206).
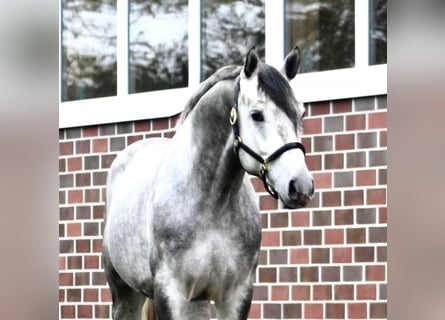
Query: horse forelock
point(274, 85)
point(224, 73)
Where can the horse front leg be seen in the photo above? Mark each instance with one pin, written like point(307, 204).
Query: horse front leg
point(237, 306)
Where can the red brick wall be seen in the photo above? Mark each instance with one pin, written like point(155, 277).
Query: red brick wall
point(327, 261)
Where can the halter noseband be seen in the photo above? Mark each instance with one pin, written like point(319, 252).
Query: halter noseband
point(239, 144)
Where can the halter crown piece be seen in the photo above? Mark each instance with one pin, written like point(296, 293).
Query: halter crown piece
point(239, 144)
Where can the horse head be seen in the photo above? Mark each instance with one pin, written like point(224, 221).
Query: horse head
point(267, 123)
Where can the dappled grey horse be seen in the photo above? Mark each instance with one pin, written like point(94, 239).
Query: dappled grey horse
point(182, 221)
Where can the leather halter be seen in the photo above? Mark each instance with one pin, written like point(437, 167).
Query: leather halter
point(239, 144)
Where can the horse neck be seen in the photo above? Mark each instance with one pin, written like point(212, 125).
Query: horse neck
point(215, 168)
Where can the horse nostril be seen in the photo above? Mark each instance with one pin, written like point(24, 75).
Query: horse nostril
point(292, 189)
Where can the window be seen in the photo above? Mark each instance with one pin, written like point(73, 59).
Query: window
point(143, 59)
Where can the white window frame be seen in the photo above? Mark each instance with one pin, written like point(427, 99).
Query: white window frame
point(361, 80)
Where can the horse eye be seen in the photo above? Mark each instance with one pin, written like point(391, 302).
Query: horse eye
point(257, 116)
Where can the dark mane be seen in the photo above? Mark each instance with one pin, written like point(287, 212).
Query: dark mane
point(273, 84)
point(224, 73)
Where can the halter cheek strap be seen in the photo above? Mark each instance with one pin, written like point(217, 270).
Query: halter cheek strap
point(239, 144)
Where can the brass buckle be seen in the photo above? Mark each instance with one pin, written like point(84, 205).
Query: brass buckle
point(233, 116)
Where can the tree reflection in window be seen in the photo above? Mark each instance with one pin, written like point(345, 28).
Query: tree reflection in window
point(229, 28)
point(158, 39)
point(88, 49)
point(324, 31)
point(378, 32)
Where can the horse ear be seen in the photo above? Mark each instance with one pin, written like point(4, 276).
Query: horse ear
point(251, 62)
point(291, 63)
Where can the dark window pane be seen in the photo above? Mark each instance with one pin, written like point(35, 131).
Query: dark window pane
point(229, 29)
point(324, 32)
point(378, 39)
point(88, 49)
point(158, 38)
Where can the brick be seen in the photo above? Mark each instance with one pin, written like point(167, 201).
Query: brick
point(382, 291)
point(357, 311)
point(330, 274)
point(300, 219)
point(377, 158)
point(343, 217)
point(343, 292)
point(280, 293)
point(61, 295)
point(366, 292)
point(320, 255)
point(307, 143)
point(91, 295)
point(382, 254)
point(378, 310)
point(321, 218)
point(313, 162)
point(278, 256)
point(366, 216)
point(312, 126)
point(83, 212)
point(107, 129)
point(322, 292)
point(101, 311)
point(356, 235)
point(82, 245)
point(376, 196)
point(263, 260)
point(68, 311)
point(142, 126)
point(319, 108)
point(364, 104)
point(105, 295)
point(117, 143)
point(267, 274)
point(254, 311)
point(365, 177)
point(333, 124)
point(312, 237)
point(377, 234)
point(133, 139)
point(66, 148)
point(83, 146)
point(66, 181)
point(352, 273)
point(375, 273)
point(288, 274)
point(84, 311)
point(353, 197)
point(260, 293)
point(91, 262)
point(124, 127)
point(100, 145)
point(366, 140)
point(99, 278)
point(377, 120)
point(335, 311)
point(61, 231)
point(100, 178)
point(62, 165)
point(343, 179)
point(73, 295)
point(331, 198)
point(301, 292)
point(75, 196)
point(292, 238)
point(323, 143)
point(272, 311)
point(90, 131)
point(315, 201)
point(91, 162)
point(62, 197)
point(364, 254)
point(97, 245)
point(268, 203)
point(83, 179)
point(344, 141)
point(382, 102)
point(333, 161)
point(73, 133)
point(334, 236)
point(308, 274)
point(92, 195)
point(75, 164)
point(160, 124)
point(279, 220)
point(74, 262)
point(66, 246)
point(91, 229)
point(342, 106)
point(74, 229)
point(313, 311)
point(382, 215)
point(355, 122)
point(341, 255)
point(292, 311)
point(66, 213)
point(356, 159)
point(270, 238)
point(98, 211)
point(383, 138)
point(382, 176)
point(264, 220)
point(299, 256)
point(322, 180)
point(65, 279)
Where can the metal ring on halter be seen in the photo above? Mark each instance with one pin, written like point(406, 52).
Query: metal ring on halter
point(233, 116)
